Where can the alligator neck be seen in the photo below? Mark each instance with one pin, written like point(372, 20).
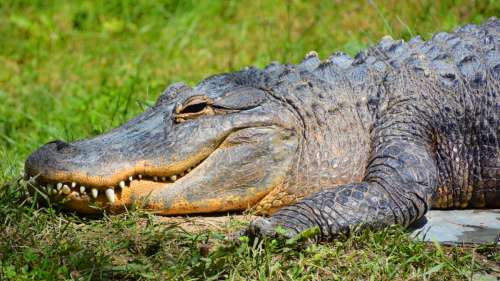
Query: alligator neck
point(334, 119)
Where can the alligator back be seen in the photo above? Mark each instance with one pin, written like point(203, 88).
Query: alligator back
point(449, 88)
point(450, 85)
point(444, 92)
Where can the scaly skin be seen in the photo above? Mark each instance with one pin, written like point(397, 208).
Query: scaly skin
point(345, 143)
point(435, 139)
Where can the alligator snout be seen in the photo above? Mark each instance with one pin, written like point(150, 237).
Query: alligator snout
point(49, 155)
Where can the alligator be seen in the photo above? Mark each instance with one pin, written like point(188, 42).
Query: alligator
point(340, 144)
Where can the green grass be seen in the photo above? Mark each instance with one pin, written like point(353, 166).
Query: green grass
point(72, 69)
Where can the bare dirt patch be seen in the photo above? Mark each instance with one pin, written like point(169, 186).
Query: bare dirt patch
point(219, 223)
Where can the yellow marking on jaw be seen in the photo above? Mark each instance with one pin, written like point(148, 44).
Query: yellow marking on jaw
point(143, 189)
point(181, 205)
point(127, 197)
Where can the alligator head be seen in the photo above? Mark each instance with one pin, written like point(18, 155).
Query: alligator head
point(212, 148)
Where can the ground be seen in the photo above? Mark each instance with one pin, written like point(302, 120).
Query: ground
point(72, 69)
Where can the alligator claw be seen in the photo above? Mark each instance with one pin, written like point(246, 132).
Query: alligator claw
point(262, 227)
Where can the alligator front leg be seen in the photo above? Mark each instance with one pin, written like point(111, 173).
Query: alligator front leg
point(400, 181)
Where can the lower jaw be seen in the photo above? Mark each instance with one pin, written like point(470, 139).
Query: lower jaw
point(135, 193)
point(176, 208)
point(93, 200)
point(138, 193)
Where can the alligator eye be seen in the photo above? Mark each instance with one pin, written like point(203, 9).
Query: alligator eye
point(194, 107)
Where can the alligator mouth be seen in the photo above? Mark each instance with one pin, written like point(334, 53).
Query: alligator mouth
point(232, 171)
point(99, 196)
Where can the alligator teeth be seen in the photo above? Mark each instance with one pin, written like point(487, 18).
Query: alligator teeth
point(66, 190)
point(49, 190)
point(189, 170)
point(122, 184)
point(59, 186)
point(110, 194)
point(173, 178)
point(82, 189)
point(139, 176)
point(181, 174)
point(94, 192)
point(73, 184)
point(155, 178)
point(164, 178)
point(131, 178)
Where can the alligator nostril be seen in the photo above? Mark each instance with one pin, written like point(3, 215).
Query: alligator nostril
point(59, 144)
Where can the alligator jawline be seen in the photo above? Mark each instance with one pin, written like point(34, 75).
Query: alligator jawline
point(64, 191)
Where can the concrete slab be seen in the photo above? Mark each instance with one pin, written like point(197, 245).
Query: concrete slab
point(459, 226)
